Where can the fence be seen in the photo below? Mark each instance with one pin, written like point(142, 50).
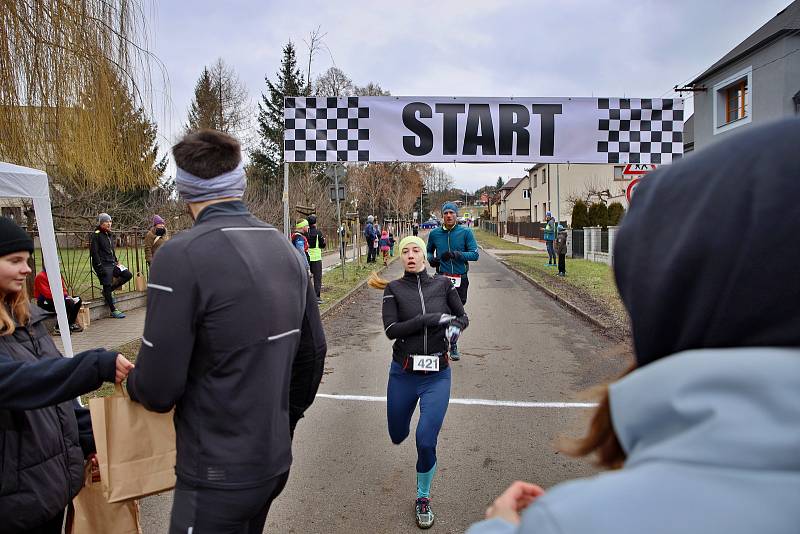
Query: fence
point(594, 244)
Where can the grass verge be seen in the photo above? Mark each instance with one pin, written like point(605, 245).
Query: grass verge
point(491, 241)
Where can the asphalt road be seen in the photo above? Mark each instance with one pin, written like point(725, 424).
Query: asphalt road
point(348, 477)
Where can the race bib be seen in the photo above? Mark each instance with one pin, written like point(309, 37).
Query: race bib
point(425, 363)
point(454, 279)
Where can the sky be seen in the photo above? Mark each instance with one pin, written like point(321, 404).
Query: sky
point(614, 48)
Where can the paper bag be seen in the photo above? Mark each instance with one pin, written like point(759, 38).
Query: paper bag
point(84, 317)
point(135, 447)
point(91, 514)
point(140, 283)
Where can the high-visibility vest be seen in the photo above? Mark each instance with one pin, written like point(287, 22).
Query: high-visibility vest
point(314, 253)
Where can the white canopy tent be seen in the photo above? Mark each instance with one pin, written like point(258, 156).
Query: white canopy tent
point(16, 181)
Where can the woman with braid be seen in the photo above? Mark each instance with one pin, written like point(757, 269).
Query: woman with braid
point(423, 314)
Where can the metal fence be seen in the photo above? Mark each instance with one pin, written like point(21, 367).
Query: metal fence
point(577, 243)
point(604, 241)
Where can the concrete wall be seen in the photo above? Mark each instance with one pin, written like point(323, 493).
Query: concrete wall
point(775, 79)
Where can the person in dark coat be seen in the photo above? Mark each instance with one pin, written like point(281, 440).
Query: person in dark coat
point(232, 340)
point(155, 237)
point(45, 435)
point(111, 273)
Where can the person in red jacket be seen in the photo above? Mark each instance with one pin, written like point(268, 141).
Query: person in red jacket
point(44, 299)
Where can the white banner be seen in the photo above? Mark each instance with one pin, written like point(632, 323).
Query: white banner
point(483, 130)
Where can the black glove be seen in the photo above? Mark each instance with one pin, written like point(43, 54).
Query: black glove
point(435, 263)
point(459, 322)
point(431, 319)
point(447, 256)
point(457, 254)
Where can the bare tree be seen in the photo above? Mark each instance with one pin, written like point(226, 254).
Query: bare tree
point(333, 82)
point(371, 89)
point(315, 43)
point(231, 109)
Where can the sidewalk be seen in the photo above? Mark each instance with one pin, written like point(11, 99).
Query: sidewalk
point(533, 243)
point(107, 333)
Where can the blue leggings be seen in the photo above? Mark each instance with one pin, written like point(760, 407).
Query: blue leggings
point(433, 392)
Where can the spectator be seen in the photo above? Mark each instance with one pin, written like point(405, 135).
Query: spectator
point(343, 241)
point(561, 249)
point(44, 299)
point(415, 229)
point(384, 246)
point(316, 244)
point(111, 273)
point(300, 241)
point(45, 434)
point(155, 237)
point(232, 340)
point(371, 236)
point(391, 243)
point(549, 237)
point(705, 430)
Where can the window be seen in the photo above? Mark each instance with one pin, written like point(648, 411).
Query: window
point(535, 179)
point(536, 213)
point(618, 172)
point(526, 193)
point(544, 209)
point(733, 101)
point(544, 176)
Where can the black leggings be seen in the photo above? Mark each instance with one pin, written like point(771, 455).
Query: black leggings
point(316, 272)
point(73, 307)
point(118, 279)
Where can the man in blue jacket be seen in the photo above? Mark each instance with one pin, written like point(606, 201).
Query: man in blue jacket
point(450, 247)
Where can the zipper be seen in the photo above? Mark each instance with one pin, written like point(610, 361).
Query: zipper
point(425, 330)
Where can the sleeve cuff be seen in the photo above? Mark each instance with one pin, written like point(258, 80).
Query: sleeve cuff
point(492, 526)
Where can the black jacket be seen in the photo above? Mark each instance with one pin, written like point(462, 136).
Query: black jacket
point(103, 255)
point(315, 238)
point(44, 433)
point(412, 307)
point(231, 320)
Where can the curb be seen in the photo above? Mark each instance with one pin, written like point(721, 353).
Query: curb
point(555, 296)
point(350, 293)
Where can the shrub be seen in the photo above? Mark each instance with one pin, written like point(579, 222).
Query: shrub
point(580, 215)
point(615, 213)
point(598, 215)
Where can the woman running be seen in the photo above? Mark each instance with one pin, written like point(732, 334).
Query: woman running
point(423, 314)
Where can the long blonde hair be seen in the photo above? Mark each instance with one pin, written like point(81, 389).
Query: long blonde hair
point(376, 282)
point(14, 306)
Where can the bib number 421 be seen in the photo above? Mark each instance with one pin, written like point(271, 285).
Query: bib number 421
point(426, 363)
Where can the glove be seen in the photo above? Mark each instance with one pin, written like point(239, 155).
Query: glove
point(452, 333)
point(457, 254)
point(446, 318)
point(447, 256)
point(432, 319)
point(435, 262)
point(458, 322)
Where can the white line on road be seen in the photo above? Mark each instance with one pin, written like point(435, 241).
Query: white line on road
point(473, 402)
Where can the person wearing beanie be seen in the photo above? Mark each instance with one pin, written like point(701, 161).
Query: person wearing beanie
point(47, 434)
point(371, 237)
point(232, 341)
point(550, 237)
point(450, 248)
point(561, 250)
point(703, 434)
point(111, 273)
point(316, 244)
point(423, 314)
point(155, 237)
point(299, 240)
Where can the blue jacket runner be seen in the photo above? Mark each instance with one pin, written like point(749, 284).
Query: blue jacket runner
point(457, 239)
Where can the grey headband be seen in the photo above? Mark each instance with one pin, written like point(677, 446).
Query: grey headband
point(195, 189)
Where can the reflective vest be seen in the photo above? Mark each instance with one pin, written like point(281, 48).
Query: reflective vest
point(314, 250)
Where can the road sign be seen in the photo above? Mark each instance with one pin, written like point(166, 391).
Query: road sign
point(631, 187)
point(638, 169)
point(332, 193)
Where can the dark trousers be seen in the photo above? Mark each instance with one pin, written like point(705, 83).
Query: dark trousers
point(111, 283)
point(372, 252)
point(551, 252)
point(562, 263)
point(223, 511)
point(432, 390)
point(51, 527)
point(462, 289)
point(316, 272)
point(73, 307)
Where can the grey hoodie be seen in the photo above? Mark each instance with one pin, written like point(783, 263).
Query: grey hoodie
point(713, 444)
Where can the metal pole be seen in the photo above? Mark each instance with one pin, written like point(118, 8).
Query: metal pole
point(558, 197)
point(286, 198)
point(338, 212)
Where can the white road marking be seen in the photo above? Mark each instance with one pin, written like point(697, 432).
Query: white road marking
point(473, 402)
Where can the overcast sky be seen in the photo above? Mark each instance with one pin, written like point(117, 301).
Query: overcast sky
point(634, 48)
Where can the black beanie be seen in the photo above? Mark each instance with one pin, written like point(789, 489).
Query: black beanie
point(13, 238)
point(312, 219)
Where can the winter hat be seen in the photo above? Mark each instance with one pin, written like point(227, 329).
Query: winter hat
point(13, 238)
point(302, 223)
point(549, 214)
point(449, 206)
point(411, 240)
point(157, 220)
point(103, 217)
point(312, 219)
point(370, 219)
point(560, 227)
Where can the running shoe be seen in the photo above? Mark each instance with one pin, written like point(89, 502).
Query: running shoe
point(116, 314)
point(454, 354)
point(75, 327)
point(424, 513)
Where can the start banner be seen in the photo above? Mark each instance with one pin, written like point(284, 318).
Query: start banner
point(483, 130)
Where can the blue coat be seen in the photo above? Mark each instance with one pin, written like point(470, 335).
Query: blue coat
point(458, 238)
point(712, 438)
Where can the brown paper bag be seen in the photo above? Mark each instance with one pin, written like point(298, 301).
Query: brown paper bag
point(135, 447)
point(91, 514)
point(140, 283)
point(84, 317)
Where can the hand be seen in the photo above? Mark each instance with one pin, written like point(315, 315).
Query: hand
point(435, 262)
point(95, 469)
point(123, 368)
point(457, 254)
point(447, 256)
point(446, 318)
point(513, 501)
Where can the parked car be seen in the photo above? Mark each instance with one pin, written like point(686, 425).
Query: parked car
point(429, 224)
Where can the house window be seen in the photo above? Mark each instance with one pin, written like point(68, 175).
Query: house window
point(535, 179)
point(544, 176)
point(733, 101)
point(618, 172)
point(544, 209)
point(526, 193)
point(536, 213)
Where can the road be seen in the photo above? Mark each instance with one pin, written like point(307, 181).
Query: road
point(348, 477)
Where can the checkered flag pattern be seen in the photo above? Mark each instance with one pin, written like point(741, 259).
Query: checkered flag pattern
point(640, 130)
point(325, 129)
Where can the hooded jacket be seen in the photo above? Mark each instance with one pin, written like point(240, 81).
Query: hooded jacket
point(412, 302)
point(103, 255)
point(152, 242)
point(44, 433)
point(233, 340)
point(456, 239)
point(712, 438)
point(710, 420)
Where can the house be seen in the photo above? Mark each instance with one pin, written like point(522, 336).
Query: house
point(756, 82)
point(595, 182)
point(510, 202)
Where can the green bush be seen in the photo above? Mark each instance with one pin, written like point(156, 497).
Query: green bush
point(615, 213)
point(598, 215)
point(580, 215)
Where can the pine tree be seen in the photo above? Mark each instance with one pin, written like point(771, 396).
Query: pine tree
point(580, 215)
point(499, 182)
point(203, 111)
point(267, 159)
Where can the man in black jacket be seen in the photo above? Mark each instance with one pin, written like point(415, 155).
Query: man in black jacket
point(316, 243)
point(111, 273)
point(233, 340)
